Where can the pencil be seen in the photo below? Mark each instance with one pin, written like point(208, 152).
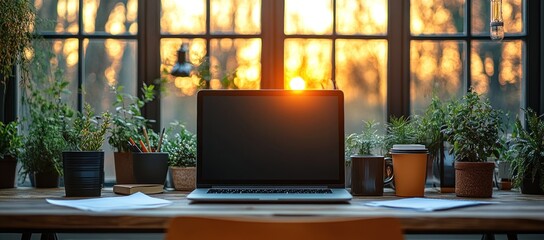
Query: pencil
point(147, 139)
point(160, 141)
point(142, 145)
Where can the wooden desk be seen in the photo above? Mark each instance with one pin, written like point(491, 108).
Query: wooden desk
point(25, 210)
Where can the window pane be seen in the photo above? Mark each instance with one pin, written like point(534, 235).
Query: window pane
point(437, 17)
point(237, 62)
point(107, 63)
point(436, 67)
point(235, 16)
point(309, 59)
point(183, 16)
point(513, 14)
point(178, 102)
point(361, 73)
point(498, 71)
point(308, 17)
point(110, 16)
point(60, 16)
point(361, 17)
point(55, 59)
point(179, 86)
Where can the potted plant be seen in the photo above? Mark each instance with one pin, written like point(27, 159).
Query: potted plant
point(366, 143)
point(472, 126)
point(126, 123)
point(10, 146)
point(528, 160)
point(505, 154)
point(429, 132)
point(15, 38)
point(44, 141)
point(181, 149)
point(83, 162)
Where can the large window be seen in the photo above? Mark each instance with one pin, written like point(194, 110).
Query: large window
point(388, 56)
point(95, 48)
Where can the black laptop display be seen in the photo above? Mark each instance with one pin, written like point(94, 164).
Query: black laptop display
point(260, 139)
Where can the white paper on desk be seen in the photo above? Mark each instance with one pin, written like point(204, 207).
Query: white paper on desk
point(135, 201)
point(426, 204)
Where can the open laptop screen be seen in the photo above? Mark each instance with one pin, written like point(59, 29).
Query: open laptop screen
point(270, 137)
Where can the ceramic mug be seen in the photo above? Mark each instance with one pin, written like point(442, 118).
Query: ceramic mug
point(367, 175)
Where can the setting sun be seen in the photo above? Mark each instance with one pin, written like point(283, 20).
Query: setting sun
point(297, 83)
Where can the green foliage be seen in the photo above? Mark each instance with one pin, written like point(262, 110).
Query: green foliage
point(15, 36)
point(87, 132)
point(472, 127)
point(367, 142)
point(428, 127)
point(128, 120)
point(10, 141)
point(400, 130)
point(44, 142)
point(181, 148)
point(528, 149)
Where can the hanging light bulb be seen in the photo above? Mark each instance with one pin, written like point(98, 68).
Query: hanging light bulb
point(182, 68)
point(496, 25)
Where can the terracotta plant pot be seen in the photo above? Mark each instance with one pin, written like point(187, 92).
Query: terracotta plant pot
point(124, 173)
point(8, 167)
point(184, 178)
point(474, 179)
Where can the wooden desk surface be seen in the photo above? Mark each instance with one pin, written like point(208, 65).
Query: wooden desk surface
point(25, 209)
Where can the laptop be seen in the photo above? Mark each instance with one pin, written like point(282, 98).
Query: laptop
point(270, 145)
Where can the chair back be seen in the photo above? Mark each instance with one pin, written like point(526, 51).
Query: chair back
point(198, 228)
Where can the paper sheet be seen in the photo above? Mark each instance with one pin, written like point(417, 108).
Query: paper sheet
point(135, 201)
point(426, 204)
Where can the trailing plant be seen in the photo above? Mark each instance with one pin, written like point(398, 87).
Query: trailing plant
point(10, 140)
point(15, 35)
point(88, 131)
point(472, 127)
point(367, 142)
point(181, 148)
point(127, 119)
point(528, 147)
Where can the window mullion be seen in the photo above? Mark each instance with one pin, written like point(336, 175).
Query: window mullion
point(272, 24)
point(398, 56)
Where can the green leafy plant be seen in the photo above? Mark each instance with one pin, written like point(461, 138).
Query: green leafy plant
point(181, 148)
point(528, 149)
point(127, 119)
point(428, 127)
point(10, 140)
point(400, 130)
point(367, 142)
point(15, 34)
point(88, 131)
point(472, 126)
point(47, 112)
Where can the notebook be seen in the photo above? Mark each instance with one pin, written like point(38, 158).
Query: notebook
point(270, 145)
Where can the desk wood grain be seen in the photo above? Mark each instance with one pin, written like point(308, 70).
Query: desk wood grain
point(25, 209)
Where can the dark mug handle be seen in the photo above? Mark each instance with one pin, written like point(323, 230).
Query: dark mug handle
point(389, 173)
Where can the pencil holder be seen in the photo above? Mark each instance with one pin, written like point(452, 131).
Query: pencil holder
point(150, 167)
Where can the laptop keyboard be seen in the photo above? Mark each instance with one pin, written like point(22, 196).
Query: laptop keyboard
point(273, 190)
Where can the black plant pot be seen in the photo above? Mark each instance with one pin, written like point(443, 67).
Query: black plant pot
point(528, 186)
point(8, 166)
point(150, 168)
point(49, 179)
point(83, 173)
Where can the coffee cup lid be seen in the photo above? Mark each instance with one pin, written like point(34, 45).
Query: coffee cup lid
point(408, 148)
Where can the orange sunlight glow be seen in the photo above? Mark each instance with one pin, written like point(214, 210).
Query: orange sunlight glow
point(297, 83)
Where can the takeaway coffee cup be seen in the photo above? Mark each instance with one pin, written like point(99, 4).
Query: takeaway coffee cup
point(367, 175)
point(410, 163)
